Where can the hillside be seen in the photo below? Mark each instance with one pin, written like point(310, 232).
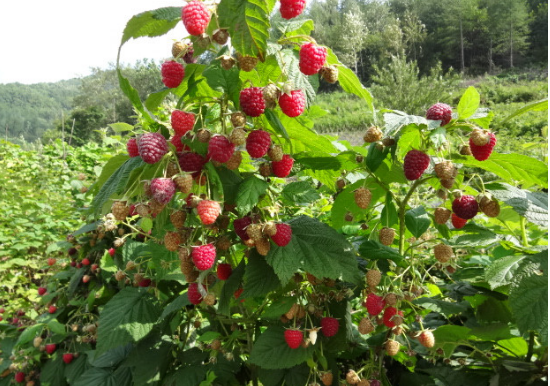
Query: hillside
point(29, 110)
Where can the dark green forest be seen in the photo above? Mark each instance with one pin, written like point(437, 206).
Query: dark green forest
point(400, 49)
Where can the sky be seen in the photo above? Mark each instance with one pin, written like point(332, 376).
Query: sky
point(47, 41)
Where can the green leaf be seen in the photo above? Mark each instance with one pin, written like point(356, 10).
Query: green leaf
point(529, 304)
point(278, 307)
point(176, 305)
point(98, 376)
point(475, 236)
point(151, 23)
point(438, 136)
point(300, 193)
point(52, 373)
point(388, 217)
point(226, 81)
point(148, 359)
point(270, 351)
point(76, 368)
point(29, 334)
point(442, 306)
point(230, 182)
point(190, 375)
point(133, 96)
point(216, 185)
point(108, 169)
point(275, 123)
point(375, 156)
point(532, 205)
point(512, 168)
point(448, 337)
point(541, 105)
point(294, 27)
point(119, 127)
point(373, 250)
point(128, 317)
point(501, 272)
point(230, 286)
point(397, 120)
point(154, 99)
point(517, 346)
point(468, 103)
point(259, 277)
point(417, 221)
point(249, 193)
point(315, 248)
point(248, 24)
point(319, 163)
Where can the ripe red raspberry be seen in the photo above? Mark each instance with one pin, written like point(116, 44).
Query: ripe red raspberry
point(52, 309)
point(162, 189)
point(85, 261)
point(41, 291)
point(415, 163)
point(195, 17)
point(440, 112)
point(292, 8)
point(481, 153)
point(220, 149)
point(204, 256)
point(132, 147)
point(374, 304)
point(68, 358)
point(223, 271)
point(19, 377)
point(283, 235)
point(172, 73)
point(465, 207)
point(294, 104)
point(282, 168)
point(152, 147)
point(193, 294)
point(50, 348)
point(426, 339)
point(294, 338)
point(312, 58)
point(389, 317)
point(257, 143)
point(182, 122)
point(180, 146)
point(240, 226)
point(192, 163)
point(457, 221)
point(145, 282)
point(329, 326)
point(252, 101)
point(208, 211)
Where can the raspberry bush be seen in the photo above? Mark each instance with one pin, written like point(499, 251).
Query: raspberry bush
point(239, 249)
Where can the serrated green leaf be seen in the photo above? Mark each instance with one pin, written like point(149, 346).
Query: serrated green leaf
point(501, 272)
point(190, 375)
point(108, 169)
point(319, 163)
point(373, 250)
point(151, 23)
point(29, 334)
point(248, 24)
point(76, 368)
point(128, 317)
point(52, 373)
point(97, 376)
point(148, 359)
point(278, 307)
point(395, 121)
point(133, 96)
point(438, 136)
point(532, 205)
point(300, 193)
point(154, 99)
point(132, 250)
point(119, 127)
point(469, 102)
point(226, 81)
point(270, 351)
point(517, 346)
point(176, 305)
point(294, 27)
point(230, 182)
point(441, 306)
point(249, 193)
point(275, 123)
point(315, 248)
point(529, 304)
point(417, 221)
point(259, 277)
point(448, 337)
point(475, 236)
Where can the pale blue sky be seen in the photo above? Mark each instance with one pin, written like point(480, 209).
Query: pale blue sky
point(46, 41)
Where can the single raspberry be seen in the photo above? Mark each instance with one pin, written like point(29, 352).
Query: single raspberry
point(366, 326)
point(329, 326)
point(294, 338)
point(85, 261)
point(238, 119)
point(392, 317)
point(204, 135)
point(172, 73)
point(262, 246)
point(283, 235)
point(271, 95)
point(68, 358)
point(193, 293)
point(282, 168)
point(458, 222)
point(152, 147)
point(52, 309)
point(479, 137)
point(386, 236)
point(180, 47)
point(220, 36)
point(426, 339)
point(373, 134)
point(374, 304)
point(352, 378)
point(120, 210)
point(443, 253)
point(442, 215)
point(172, 241)
point(252, 101)
point(265, 169)
point(182, 122)
point(42, 291)
point(132, 147)
point(292, 8)
point(235, 161)
point(178, 144)
point(293, 105)
point(163, 189)
point(238, 137)
point(490, 207)
point(195, 17)
point(312, 58)
point(184, 183)
point(257, 143)
point(192, 163)
point(19, 377)
point(445, 170)
point(373, 277)
point(481, 153)
point(362, 197)
point(327, 378)
point(447, 183)
point(204, 256)
point(224, 271)
point(240, 226)
point(254, 231)
point(329, 74)
point(465, 207)
point(50, 348)
point(275, 152)
point(220, 149)
point(247, 63)
point(440, 112)
point(227, 62)
point(392, 347)
point(178, 218)
point(415, 163)
point(208, 211)
point(237, 294)
point(209, 299)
